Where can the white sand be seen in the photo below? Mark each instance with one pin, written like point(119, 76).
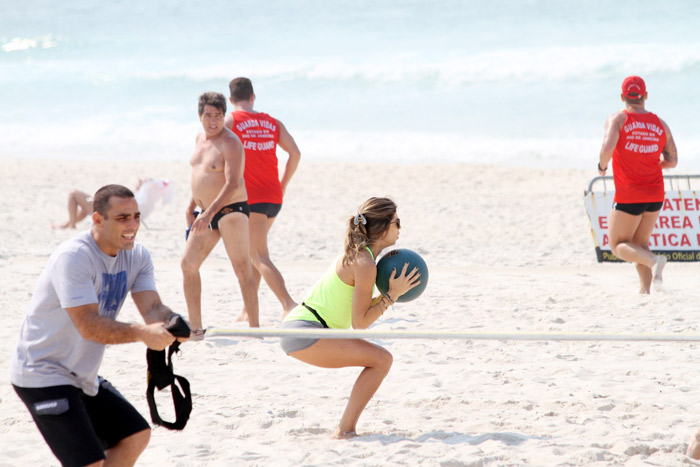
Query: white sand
point(508, 250)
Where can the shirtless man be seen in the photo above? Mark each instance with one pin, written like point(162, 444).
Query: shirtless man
point(219, 190)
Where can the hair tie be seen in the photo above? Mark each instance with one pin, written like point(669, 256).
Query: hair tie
point(359, 218)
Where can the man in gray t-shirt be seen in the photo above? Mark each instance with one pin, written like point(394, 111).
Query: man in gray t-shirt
point(70, 320)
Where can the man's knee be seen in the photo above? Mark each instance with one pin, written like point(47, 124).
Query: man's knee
point(613, 248)
point(142, 438)
point(187, 266)
point(641, 240)
point(242, 268)
point(259, 259)
point(615, 243)
point(132, 446)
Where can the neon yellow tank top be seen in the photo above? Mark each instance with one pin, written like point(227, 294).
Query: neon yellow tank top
point(331, 298)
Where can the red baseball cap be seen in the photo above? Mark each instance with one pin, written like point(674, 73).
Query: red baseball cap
point(633, 87)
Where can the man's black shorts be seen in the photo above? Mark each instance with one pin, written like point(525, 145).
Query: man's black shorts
point(638, 208)
point(269, 209)
point(78, 428)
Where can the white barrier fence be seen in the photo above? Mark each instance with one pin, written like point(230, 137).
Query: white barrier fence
point(677, 231)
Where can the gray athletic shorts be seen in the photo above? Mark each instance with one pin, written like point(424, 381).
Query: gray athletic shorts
point(293, 343)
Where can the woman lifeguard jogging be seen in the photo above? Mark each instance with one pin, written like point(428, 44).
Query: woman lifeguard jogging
point(343, 298)
point(640, 145)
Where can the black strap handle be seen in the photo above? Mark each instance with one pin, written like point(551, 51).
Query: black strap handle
point(315, 313)
point(160, 375)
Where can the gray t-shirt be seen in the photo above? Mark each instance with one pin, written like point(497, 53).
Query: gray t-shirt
point(50, 350)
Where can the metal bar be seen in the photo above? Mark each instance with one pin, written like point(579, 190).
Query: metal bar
point(365, 334)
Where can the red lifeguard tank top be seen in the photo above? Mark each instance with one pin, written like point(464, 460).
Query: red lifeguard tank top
point(259, 134)
point(636, 170)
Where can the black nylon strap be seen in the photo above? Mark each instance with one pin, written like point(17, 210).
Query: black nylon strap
point(318, 317)
point(160, 375)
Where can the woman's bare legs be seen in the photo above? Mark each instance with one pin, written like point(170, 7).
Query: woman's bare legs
point(340, 353)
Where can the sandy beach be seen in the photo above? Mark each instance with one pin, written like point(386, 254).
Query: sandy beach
point(509, 250)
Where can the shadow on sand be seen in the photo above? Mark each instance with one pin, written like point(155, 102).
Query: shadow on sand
point(453, 438)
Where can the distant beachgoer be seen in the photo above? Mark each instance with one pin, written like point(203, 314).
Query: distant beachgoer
point(640, 144)
point(79, 206)
point(261, 134)
point(71, 319)
point(342, 298)
point(219, 190)
point(148, 192)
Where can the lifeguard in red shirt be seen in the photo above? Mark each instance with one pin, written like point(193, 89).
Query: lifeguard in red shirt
point(640, 145)
point(260, 135)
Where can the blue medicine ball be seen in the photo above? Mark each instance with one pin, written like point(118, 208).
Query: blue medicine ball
point(395, 259)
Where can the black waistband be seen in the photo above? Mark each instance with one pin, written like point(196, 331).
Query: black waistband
point(315, 313)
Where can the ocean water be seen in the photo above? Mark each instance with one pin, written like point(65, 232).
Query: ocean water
point(519, 82)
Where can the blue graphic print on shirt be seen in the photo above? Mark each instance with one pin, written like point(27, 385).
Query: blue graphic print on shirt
point(112, 294)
